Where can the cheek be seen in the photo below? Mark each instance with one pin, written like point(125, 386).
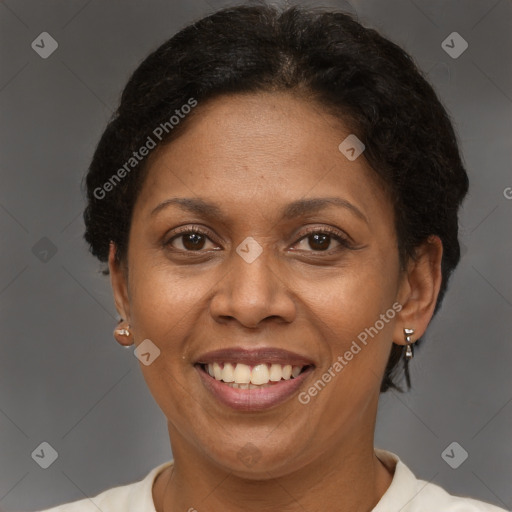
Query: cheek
point(356, 317)
point(358, 320)
point(354, 296)
point(164, 308)
point(167, 306)
point(164, 300)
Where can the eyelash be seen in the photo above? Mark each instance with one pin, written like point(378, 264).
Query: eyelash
point(343, 241)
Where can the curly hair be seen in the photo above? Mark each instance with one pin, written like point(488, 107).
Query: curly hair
point(371, 84)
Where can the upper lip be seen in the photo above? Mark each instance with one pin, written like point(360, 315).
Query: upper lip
point(254, 356)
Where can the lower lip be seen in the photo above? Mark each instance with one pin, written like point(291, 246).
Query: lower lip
point(253, 399)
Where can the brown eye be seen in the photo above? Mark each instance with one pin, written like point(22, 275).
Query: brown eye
point(320, 239)
point(191, 239)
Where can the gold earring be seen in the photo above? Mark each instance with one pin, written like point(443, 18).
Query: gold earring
point(409, 354)
point(121, 334)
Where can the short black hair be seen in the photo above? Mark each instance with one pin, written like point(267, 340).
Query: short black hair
point(372, 85)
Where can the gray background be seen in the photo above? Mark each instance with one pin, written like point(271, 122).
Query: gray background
point(63, 378)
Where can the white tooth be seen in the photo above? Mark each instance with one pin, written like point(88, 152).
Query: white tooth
point(242, 373)
point(210, 370)
point(287, 371)
point(217, 371)
point(295, 371)
point(228, 373)
point(244, 386)
point(276, 372)
point(259, 374)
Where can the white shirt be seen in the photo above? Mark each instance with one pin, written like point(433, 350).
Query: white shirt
point(405, 494)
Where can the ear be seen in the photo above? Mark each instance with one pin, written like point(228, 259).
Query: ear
point(419, 289)
point(119, 283)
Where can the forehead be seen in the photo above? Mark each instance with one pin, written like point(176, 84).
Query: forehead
point(265, 148)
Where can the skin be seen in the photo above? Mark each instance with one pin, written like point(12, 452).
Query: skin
point(252, 155)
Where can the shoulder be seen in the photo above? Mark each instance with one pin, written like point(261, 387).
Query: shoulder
point(135, 496)
point(410, 494)
point(430, 496)
point(111, 500)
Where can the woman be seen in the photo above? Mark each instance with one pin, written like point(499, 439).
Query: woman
point(277, 200)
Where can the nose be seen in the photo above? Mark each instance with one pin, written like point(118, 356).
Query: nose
point(253, 294)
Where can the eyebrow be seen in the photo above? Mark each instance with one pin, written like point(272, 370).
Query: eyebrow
point(291, 210)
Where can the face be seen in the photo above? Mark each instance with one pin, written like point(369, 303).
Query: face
point(257, 268)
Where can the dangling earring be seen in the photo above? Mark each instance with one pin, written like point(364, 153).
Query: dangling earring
point(122, 334)
point(409, 353)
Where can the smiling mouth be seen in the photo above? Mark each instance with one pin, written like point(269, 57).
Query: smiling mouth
point(243, 376)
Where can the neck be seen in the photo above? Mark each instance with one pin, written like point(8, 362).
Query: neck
point(349, 477)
